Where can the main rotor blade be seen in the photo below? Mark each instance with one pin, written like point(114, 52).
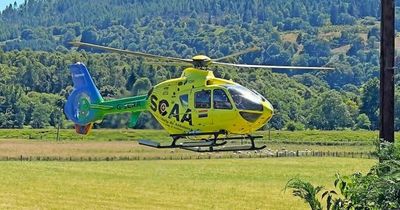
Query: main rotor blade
point(273, 67)
point(139, 54)
point(251, 49)
point(167, 63)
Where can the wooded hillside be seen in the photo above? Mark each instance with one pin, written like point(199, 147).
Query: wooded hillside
point(34, 76)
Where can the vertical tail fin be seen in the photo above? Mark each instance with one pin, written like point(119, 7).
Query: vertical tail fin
point(85, 93)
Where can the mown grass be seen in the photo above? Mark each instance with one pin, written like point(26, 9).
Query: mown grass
point(180, 184)
point(165, 184)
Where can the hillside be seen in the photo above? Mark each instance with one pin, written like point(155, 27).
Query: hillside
point(343, 34)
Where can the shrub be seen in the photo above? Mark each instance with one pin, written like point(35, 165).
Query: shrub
point(378, 189)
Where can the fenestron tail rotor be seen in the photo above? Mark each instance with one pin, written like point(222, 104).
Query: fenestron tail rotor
point(198, 61)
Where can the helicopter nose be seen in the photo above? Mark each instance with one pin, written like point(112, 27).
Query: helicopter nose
point(268, 110)
point(266, 115)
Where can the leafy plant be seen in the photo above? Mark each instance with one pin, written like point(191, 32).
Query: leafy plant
point(378, 189)
point(306, 191)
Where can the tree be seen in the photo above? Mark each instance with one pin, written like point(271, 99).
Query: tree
point(374, 32)
point(89, 35)
point(19, 119)
point(363, 122)
point(27, 34)
point(346, 19)
point(356, 45)
point(330, 112)
point(293, 126)
point(317, 48)
point(40, 116)
point(275, 54)
point(370, 101)
point(334, 15)
point(67, 38)
point(141, 86)
point(318, 19)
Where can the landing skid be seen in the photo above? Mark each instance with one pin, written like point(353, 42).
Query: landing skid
point(214, 144)
point(224, 149)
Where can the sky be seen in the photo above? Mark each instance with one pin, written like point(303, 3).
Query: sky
point(4, 3)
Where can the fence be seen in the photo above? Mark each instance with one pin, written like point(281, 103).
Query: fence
point(267, 154)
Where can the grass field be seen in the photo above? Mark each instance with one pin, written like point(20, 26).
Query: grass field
point(165, 184)
point(226, 181)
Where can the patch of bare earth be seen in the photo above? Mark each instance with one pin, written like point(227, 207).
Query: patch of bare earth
point(342, 49)
point(290, 37)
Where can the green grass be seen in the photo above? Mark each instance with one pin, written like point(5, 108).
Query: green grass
point(180, 184)
point(323, 136)
point(165, 184)
point(94, 135)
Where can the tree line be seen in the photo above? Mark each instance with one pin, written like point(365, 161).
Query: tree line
point(34, 85)
point(35, 55)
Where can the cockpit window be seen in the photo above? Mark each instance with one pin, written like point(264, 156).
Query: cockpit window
point(202, 99)
point(244, 98)
point(262, 97)
point(221, 100)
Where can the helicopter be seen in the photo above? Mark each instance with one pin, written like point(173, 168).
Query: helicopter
point(198, 107)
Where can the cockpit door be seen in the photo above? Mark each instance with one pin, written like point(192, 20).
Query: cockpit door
point(222, 110)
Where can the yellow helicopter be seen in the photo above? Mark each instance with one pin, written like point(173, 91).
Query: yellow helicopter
point(197, 104)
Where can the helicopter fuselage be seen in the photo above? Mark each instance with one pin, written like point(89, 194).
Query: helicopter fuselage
point(196, 104)
point(200, 102)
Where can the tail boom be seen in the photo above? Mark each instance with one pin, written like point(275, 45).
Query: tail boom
point(86, 106)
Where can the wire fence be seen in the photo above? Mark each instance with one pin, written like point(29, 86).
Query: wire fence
point(268, 154)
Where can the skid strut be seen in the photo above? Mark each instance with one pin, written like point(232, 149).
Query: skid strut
point(214, 144)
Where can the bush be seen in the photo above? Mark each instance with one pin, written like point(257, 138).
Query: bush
point(294, 126)
point(378, 189)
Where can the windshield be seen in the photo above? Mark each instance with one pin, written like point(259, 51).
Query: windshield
point(244, 98)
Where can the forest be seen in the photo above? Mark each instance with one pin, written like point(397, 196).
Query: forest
point(35, 54)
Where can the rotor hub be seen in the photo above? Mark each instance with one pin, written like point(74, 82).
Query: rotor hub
point(201, 61)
